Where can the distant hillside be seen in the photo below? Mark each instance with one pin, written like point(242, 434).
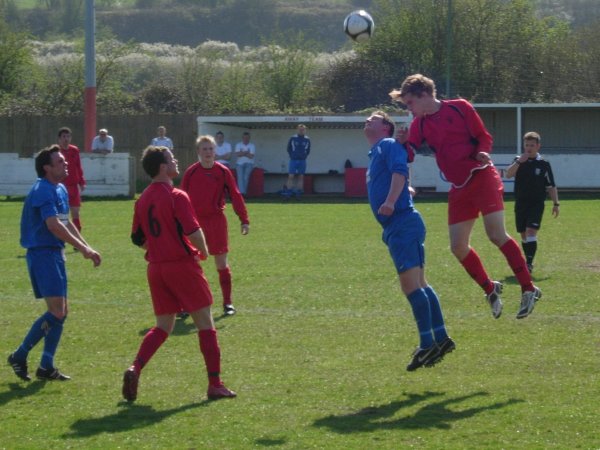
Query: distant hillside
point(245, 24)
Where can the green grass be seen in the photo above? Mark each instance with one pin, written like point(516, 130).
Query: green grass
point(318, 350)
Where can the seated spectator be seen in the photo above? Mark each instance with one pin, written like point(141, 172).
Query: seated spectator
point(103, 143)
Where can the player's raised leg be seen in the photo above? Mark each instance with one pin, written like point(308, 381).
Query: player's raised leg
point(152, 341)
point(496, 231)
point(460, 234)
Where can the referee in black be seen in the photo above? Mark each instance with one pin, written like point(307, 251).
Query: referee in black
point(533, 178)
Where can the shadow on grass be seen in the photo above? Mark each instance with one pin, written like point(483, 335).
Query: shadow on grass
point(130, 417)
point(433, 414)
point(511, 280)
point(270, 442)
point(20, 390)
point(183, 327)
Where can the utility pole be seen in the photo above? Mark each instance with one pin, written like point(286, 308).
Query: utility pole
point(449, 21)
point(90, 76)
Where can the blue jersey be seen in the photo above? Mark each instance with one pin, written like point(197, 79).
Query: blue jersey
point(386, 158)
point(43, 201)
point(298, 147)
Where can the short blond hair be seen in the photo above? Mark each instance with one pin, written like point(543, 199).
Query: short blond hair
point(205, 138)
point(416, 85)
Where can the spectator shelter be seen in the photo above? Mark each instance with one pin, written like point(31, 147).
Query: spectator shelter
point(570, 141)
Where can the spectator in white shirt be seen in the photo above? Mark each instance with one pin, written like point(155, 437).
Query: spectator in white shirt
point(103, 143)
point(162, 140)
point(223, 149)
point(245, 152)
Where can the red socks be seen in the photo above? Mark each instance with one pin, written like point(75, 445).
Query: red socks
point(517, 263)
point(212, 355)
point(474, 267)
point(151, 343)
point(225, 282)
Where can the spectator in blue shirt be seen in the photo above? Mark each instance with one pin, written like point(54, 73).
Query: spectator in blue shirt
point(298, 149)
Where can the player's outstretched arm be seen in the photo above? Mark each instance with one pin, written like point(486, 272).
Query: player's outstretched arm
point(69, 234)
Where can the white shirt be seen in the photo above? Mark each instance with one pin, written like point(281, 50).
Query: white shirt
point(221, 150)
point(240, 146)
point(98, 146)
point(162, 142)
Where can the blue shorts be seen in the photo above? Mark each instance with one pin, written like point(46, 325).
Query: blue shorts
point(405, 238)
point(297, 167)
point(47, 272)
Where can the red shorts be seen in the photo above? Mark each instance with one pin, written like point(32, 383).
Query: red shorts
point(215, 232)
point(74, 195)
point(178, 286)
point(482, 194)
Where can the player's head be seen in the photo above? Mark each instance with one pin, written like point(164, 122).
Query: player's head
point(416, 92)
point(64, 136)
point(219, 137)
point(379, 125)
point(51, 164)
point(205, 147)
point(301, 129)
point(532, 142)
point(158, 160)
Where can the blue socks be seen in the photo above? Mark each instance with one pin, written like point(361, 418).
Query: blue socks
point(437, 318)
point(420, 306)
point(46, 326)
point(51, 342)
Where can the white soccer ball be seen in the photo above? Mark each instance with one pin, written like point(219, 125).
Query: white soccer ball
point(359, 25)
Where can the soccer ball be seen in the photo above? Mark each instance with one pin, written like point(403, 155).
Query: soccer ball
point(359, 25)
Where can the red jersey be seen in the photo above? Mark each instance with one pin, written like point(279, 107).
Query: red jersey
point(75, 176)
point(207, 189)
point(163, 217)
point(456, 134)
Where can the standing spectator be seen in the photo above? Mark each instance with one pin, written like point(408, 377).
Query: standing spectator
point(75, 181)
point(244, 152)
point(533, 178)
point(462, 146)
point(162, 140)
point(207, 182)
point(223, 149)
point(404, 234)
point(103, 143)
point(45, 227)
point(165, 226)
point(298, 149)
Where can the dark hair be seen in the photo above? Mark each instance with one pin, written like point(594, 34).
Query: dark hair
point(219, 133)
point(152, 158)
point(246, 133)
point(386, 120)
point(63, 130)
point(44, 158)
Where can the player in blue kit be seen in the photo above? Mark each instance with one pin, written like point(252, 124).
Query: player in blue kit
point(45, 227)
point(404, 234)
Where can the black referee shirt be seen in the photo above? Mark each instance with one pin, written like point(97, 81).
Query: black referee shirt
point(532, 178)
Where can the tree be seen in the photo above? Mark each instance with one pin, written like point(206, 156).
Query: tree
point(15, 58)
point(286, 71)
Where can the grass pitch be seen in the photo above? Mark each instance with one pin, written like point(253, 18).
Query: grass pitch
point(318, 350)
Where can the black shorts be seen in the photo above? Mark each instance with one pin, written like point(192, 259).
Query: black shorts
point(528, 215)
